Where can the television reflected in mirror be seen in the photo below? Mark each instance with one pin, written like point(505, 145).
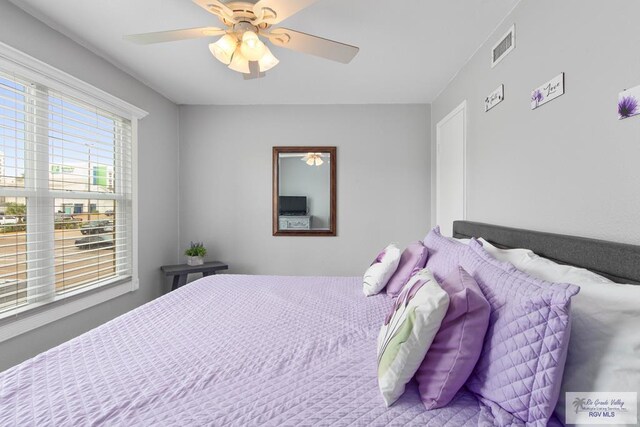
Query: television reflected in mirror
point(304, 191)
point(293, 205)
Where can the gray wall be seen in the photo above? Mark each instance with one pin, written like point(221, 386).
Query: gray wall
point(158, 175)
point(569, 166)
point(299, 179)
point(225, 183)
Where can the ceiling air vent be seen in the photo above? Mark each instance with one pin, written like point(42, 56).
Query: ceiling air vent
point(506, 44)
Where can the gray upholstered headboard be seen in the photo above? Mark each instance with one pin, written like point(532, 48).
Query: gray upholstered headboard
point(616, 261)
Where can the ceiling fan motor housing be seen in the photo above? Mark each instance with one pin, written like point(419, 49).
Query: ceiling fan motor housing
point(242, 27)
point(243, 11)
point(232, 3)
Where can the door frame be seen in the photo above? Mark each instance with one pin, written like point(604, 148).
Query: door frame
point(460, 108)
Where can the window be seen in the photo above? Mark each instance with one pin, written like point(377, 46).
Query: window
point(67, 175)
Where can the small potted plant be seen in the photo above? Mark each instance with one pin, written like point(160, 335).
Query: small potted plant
point(195, 254)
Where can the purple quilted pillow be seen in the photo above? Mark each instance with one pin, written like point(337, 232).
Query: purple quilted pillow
point(522, 361)
point(444, 254)
point(457, 346)
point(413, 258)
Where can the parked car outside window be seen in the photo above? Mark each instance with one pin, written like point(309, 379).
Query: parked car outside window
point(61, 216)
point(97, 227)
point(94, 242)
point(8, 220)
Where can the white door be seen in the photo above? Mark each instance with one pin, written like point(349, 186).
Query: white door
point(450, 167)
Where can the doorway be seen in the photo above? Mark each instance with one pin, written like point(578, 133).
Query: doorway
point(451, 134)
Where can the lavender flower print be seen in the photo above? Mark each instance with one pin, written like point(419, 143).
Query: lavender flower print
point(398, 316)
point(627, 107)
point(537, 97)
point(379, 257)
point(388, 318)
point(414, 290)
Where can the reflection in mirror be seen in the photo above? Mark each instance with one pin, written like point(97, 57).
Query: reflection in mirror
point(303, 205)
point(304, 190)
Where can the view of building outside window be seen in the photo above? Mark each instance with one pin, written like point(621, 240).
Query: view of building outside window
point(80, 215)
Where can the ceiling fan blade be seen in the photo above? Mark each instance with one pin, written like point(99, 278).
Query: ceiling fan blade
point(275, 11)
point(174, 35)
point(217, 8)
point(301, 42)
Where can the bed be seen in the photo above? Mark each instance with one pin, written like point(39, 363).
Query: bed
point(225, 350)
point(243, 350)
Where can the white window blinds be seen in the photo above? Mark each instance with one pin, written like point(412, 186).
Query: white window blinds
point(65, 195)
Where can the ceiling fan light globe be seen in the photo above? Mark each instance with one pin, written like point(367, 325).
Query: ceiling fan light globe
point(239, 63)
point(319, 162)
point(224, 48)
point(250, 38)
point(268, 61)
point(252, 47)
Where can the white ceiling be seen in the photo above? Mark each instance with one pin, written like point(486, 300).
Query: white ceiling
point(409, 50)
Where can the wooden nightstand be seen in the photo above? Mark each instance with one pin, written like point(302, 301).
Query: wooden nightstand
point(181, 271)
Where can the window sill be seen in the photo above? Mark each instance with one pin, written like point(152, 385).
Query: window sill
point(35, 316)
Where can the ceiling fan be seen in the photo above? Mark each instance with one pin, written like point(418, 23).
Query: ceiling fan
point(246, 21)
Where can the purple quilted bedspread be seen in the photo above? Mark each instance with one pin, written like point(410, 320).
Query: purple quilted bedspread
point(228, 350)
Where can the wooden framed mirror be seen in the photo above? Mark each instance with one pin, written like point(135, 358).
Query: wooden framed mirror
point(304, 191)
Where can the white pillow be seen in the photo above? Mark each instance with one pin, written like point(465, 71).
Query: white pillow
point(463, 241)
point(381, 270)
point(408, 331)
point(604, 351)
point(543, 268)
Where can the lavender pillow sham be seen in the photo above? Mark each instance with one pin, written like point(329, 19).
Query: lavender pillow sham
point(457, 345)
point(413, 259)
point(522, 361)
point(444, 254)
